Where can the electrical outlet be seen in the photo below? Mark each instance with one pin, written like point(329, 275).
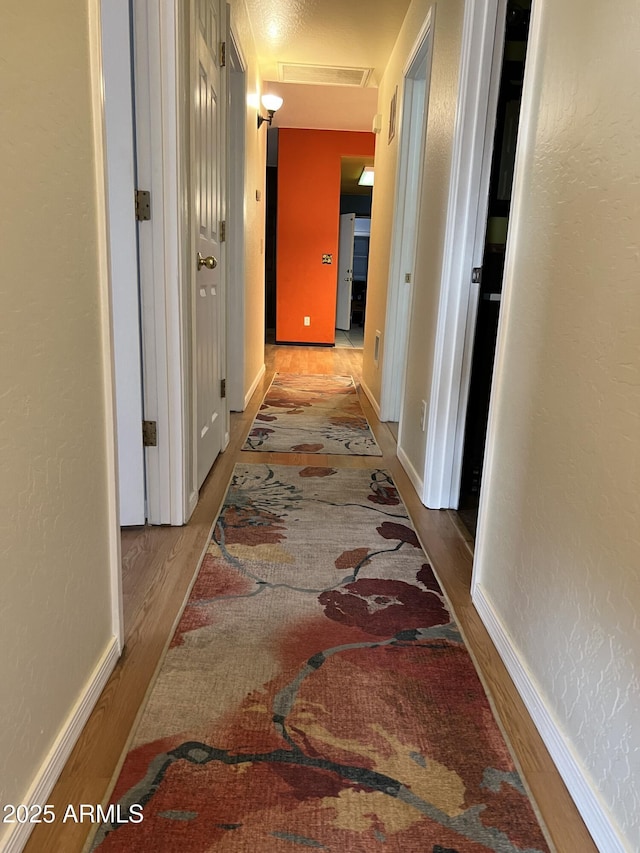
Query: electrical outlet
point(307, 321)
point(423, 416)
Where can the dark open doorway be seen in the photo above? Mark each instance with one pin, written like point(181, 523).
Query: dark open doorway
point(504, 145)
point(271, 225)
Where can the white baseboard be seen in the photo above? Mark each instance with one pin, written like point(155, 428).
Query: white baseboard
point(374, 403)
point(254, 385)
point(594, 812)
point(192, 504)
point(416, 479)
point(53, 764)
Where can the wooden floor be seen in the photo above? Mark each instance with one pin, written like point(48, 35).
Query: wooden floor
point(158, 565)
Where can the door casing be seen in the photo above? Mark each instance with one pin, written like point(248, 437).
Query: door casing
point(483, 30)
point(123, 251)
point(415, 99)
point(236, 118)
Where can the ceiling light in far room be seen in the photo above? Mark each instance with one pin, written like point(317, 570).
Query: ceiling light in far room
point(271, 103)
point(366, 178)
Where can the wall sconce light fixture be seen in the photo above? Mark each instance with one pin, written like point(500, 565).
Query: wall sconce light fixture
point(271, 103)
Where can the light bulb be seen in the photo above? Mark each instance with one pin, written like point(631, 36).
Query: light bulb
point(272, 102)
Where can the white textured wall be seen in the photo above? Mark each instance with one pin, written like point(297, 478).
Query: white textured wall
point(447, 29)
point(55, 608)
point(559, 555)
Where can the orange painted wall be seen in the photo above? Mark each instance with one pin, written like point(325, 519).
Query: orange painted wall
point(308, 226)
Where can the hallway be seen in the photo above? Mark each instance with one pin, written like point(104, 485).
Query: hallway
point(158, 567)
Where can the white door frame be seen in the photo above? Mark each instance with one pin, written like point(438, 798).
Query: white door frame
point(415, 98)
point(483, 33)
point(123, 250)
point(103, 278)
point(164, 271)
point(236, 119)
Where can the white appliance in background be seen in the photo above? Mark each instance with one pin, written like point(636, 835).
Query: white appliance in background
point(361, 232)
point(345, 271)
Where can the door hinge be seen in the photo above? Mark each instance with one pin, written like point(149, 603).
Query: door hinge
point(223, 54)
point(149, 433)
point(223, 388)
point(476, 275)
point(143, 205)
point(223, 230)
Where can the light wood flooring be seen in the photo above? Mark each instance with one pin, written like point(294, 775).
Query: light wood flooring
point(158, 565)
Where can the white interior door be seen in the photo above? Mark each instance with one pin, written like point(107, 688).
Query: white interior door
point(209, 279)
point(116, 40)
point(345, 271)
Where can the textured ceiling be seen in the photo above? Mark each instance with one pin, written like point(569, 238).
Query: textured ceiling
point(346, 33)
point(339, 33)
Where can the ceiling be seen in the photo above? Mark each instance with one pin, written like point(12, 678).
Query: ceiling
point(347, 41)
point(324, 107)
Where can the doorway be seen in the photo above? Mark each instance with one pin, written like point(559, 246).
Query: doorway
point(271, 230)
point(415, 100)
point(183, 297)
point(301, 266)
point(356, 198)
point(489, 277)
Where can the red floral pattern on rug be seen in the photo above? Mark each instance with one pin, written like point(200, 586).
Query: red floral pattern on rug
point(317, 693)
point(312, 414)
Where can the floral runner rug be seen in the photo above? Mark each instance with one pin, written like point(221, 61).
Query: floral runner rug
point(317, 693)
point(312, 414)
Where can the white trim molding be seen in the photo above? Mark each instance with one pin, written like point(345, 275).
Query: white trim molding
point(160, 148)
point(371, 398)
point(254, 385)
point(67, 738)
point(456, 313)
point(575, 776)
point(106, 321)
point(416, 480)
point(235, 177)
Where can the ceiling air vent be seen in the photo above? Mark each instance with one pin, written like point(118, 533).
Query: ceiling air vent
point(323, 75)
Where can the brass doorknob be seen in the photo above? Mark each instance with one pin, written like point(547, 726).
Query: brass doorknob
point(209, 262)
